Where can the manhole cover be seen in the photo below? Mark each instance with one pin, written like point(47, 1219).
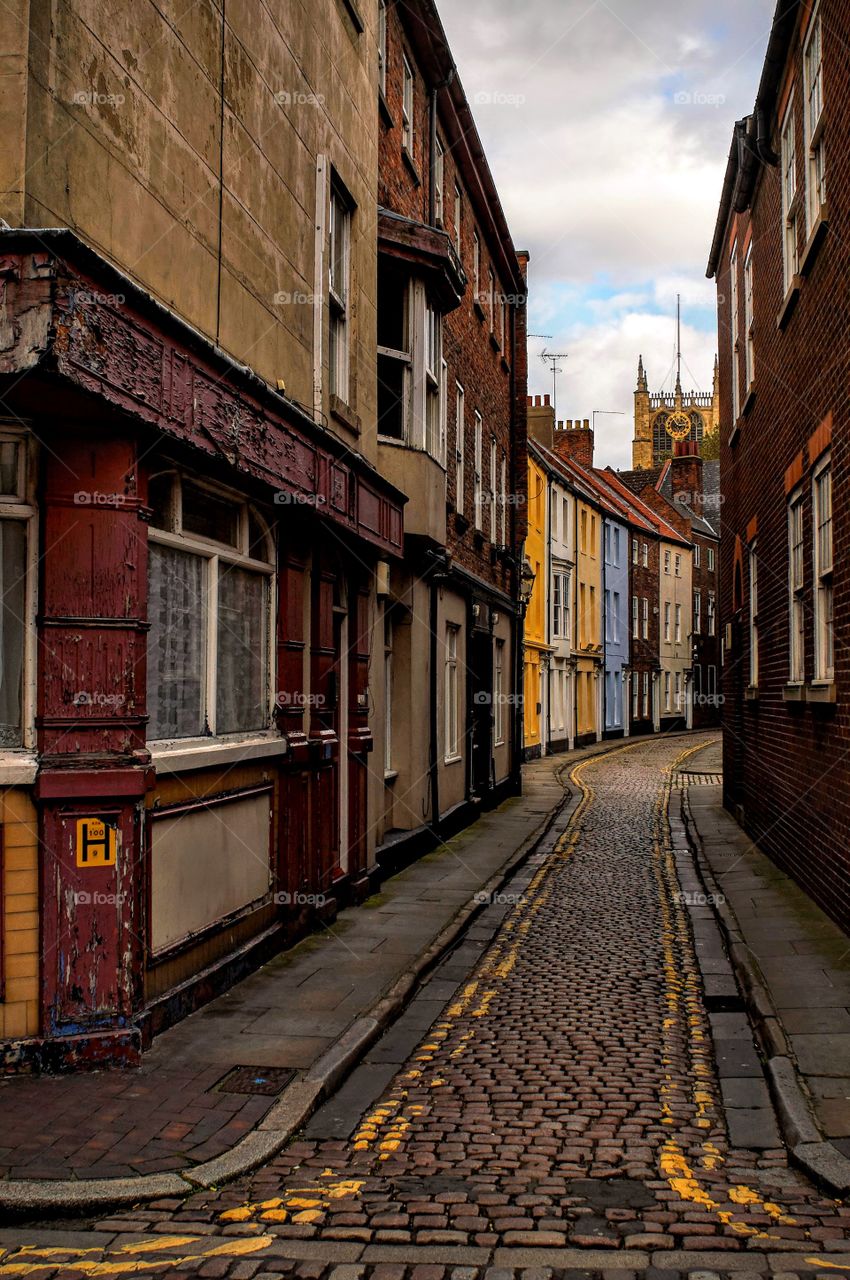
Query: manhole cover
point(265, 1080)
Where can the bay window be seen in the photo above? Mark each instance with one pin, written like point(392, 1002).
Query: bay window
point(210, 567)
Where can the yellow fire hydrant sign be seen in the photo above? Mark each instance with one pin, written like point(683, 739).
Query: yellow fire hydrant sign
point(96, 843)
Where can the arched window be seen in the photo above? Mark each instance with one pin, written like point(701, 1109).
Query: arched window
point(697, 427)
point(661, 442)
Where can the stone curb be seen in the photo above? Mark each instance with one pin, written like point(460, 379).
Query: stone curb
point(807, 1146)
point(301, 1098)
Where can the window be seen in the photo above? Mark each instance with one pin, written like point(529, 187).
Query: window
point(797, 672)
point(458, 218)
point(616, 548)
point(584, 530)
point(476, 268)
point(460, 427)
point(734, 320)
point(749, 332)
point(678, 624)
point(635, 617)
point(667, 690)
point(697, 612)
point(18, 549)
point(645, 555)
point(645, 618)
point(452, 694)
point(407, 105)
point(209, 606)
point(394, 353)
point(593, 543)
point(667, 612)
point(678, 690)
point(382, 45)
point(678, 566)
point(635, 550)
point(608, 618)
point(697, 555)
point(616, 623)
point(635, 695)
point(493, 489)
point(439, 179)
point(444, 401)
point(813, 122)
point(500, 321)
point(557, 603)
point(666, 561)
point(340, 268)
point(646, 693)
point(388, 693)
point(712, 611)
point(499, 693)
point(503, 502)
point(491, 299)
point(710, 556)
point(433, 380)
point(754, 615)
point(479, 476)
point(822, 514)
point(788, 161)
point(565, 519)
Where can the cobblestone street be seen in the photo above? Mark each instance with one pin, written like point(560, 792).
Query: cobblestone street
point(562, 1114)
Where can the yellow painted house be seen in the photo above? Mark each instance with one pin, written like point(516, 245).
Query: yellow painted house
point(537, 647)
point(587, 624)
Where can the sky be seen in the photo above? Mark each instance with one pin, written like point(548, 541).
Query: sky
point(607, 125)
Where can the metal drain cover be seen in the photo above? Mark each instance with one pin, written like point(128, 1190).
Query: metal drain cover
point(263, 1080)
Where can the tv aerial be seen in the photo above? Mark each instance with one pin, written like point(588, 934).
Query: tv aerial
point(552, 358)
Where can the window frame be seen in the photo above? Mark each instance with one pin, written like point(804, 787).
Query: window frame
point(451, 695)
point(382, 46)
point(822, 575)
point(749, 327)
point(813, 125)
point(753, 564)
point(734, 304)
point(788, 192)
point(796, 588)
point(341, 213)
point(22, 508)
point(214, 553)
point(498, 692)
point(460, 442)
point(478, 473)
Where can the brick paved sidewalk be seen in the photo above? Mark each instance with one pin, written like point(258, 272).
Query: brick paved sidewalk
point(176, 1110)
point(797, 955)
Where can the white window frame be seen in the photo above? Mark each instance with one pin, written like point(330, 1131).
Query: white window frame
point(432, 348)
point(460, 427)
point(667, 618)
point(635, 551)
point(667, 558)
point(697, 612)
point(476, 268)
point(677, 566)
point(389, 772)
point(503, 501)
point(557, 604)
point(645, 554)
point(712, 614)
point(458, 217)
point(749, 327)
point(697, 555)
point(478, 462)
point(439, 182)
point(20, 506)
point(822, 563)
point(339, 293)
point(734, 305)
point(710, 551)
point(754, 613)
point(493, 512)
point(499, 693)
point(214, 554)
point(788, 183)
point(645, 694)
point(408, 105)
point(491, 298)
point(796, 589)
point(678, 624)
point(382, 46)
point(404, 356)
point(667, 705)
point(635, 618)
point(451, 693)
point(813, 120)
point(645, 618)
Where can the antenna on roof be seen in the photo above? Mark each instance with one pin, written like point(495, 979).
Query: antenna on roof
point(678, 339)
point(552, 358)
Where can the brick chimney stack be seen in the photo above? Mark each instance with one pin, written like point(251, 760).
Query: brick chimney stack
point(575, 440)
point(541, 420)
point(686, 474)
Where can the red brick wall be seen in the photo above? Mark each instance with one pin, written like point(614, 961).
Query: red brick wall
point(494, 381)
point(786, 763)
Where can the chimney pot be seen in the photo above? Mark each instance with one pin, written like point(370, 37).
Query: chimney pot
point(546, 399)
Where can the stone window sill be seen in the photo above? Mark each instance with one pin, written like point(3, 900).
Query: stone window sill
point(390, 776)
point(411, 164)
point(182, 755)
point(18, 768)
point(384, 109)
point(821, 693)
point(815, 240)
point(751, 693)
point(749, 400)
point(794, 693)
point(343, 413)
point(789, 302)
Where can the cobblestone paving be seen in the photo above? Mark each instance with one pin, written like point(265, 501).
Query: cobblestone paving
point(562, 1114)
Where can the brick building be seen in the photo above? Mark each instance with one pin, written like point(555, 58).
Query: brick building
point(781, 259)
point(451, 433)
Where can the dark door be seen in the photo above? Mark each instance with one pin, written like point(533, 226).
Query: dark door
point(481, 674)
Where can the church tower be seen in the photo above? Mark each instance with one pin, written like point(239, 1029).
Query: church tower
point(662, 418)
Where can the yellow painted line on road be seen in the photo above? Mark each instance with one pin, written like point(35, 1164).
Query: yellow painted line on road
point(120, 1264)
